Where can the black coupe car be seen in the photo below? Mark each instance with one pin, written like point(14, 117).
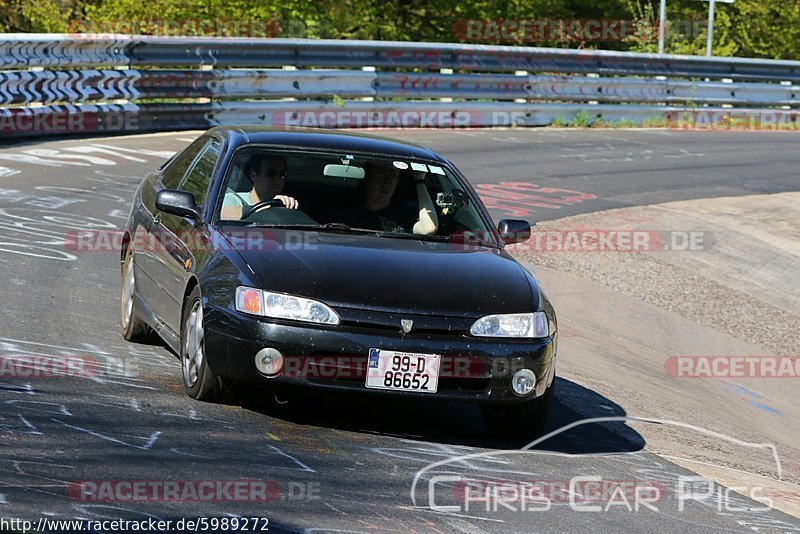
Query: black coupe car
point(341, 262)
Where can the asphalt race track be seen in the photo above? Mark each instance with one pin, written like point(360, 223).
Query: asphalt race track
point(330, 464)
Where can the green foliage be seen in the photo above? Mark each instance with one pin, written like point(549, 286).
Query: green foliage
point(43, 16)
point(581, 119)
point(655, 122)
point(624, 123)
point(747, 28)
point(621, 123)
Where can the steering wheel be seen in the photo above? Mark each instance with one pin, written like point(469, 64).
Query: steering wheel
point(264, 203)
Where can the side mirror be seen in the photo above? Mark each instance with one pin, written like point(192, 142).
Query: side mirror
point(178, 203)
point(514, 231)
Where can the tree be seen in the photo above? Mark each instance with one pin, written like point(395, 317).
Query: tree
point(747, 28)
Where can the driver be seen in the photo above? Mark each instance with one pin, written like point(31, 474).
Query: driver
point(267, 173)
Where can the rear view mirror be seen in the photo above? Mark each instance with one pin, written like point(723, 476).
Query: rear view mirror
point(514, 231)
point(344, 171)
point(178, 203)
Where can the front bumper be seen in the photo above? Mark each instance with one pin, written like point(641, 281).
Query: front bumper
point(335, 358)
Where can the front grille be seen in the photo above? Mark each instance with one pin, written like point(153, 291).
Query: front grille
point(383, 322)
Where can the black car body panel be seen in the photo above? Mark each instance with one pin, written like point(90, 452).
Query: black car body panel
point(384, 274)
point(336, 358)
point(371, 282)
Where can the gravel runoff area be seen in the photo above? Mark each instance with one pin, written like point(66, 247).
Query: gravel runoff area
point(740, 278)
point(744, 280)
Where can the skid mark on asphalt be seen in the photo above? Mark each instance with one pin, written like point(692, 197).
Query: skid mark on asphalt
point(136, 356)
point(32, 429)
point(149, 441)
point(24, 388)
point(79, 156)
point(274, 458)
point(44, 235)
point(592, 152)
point(19, 476)
point(427, 453)
point(38, 232)
point(39, 406)
point(106, 369)
point(5, 171)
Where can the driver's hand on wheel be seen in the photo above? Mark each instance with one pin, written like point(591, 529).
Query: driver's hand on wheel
point(289, 202)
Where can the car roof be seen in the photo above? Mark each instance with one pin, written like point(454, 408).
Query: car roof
point(322, 139)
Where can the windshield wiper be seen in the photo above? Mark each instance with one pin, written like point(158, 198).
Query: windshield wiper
point(328, 227)
point(438, 238)
point(417, 237)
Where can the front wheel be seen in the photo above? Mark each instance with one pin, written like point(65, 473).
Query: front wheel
point(199, 380)
point(131, 325)
point(524, 420)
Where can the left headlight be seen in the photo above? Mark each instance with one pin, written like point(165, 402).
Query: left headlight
point(280, 306)
point(525, 325)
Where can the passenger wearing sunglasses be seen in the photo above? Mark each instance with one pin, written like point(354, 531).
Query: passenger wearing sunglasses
point(267, 174)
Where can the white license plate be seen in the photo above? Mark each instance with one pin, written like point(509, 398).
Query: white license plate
point(403, 371)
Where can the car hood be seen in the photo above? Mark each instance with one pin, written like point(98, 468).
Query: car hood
point(385, 274)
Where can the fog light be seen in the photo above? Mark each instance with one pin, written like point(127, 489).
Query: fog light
point(269, 361)
point(523, 382)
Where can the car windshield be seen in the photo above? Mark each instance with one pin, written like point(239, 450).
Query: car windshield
point(391, 197)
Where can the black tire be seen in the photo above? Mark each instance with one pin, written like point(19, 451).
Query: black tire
point(520, 421)
point(199, 380)
point(132, 327)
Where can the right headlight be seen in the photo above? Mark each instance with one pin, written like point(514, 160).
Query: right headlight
point(515, 325)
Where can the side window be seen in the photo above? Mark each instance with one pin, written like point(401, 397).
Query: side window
point(197, 179)
point(174, 171)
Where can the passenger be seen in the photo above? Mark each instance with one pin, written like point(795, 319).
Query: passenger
point(267, 173)
point(375, 211)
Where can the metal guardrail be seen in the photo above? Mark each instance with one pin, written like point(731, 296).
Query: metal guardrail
point(65, 50)
point(55, 84)
point(91, 85)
